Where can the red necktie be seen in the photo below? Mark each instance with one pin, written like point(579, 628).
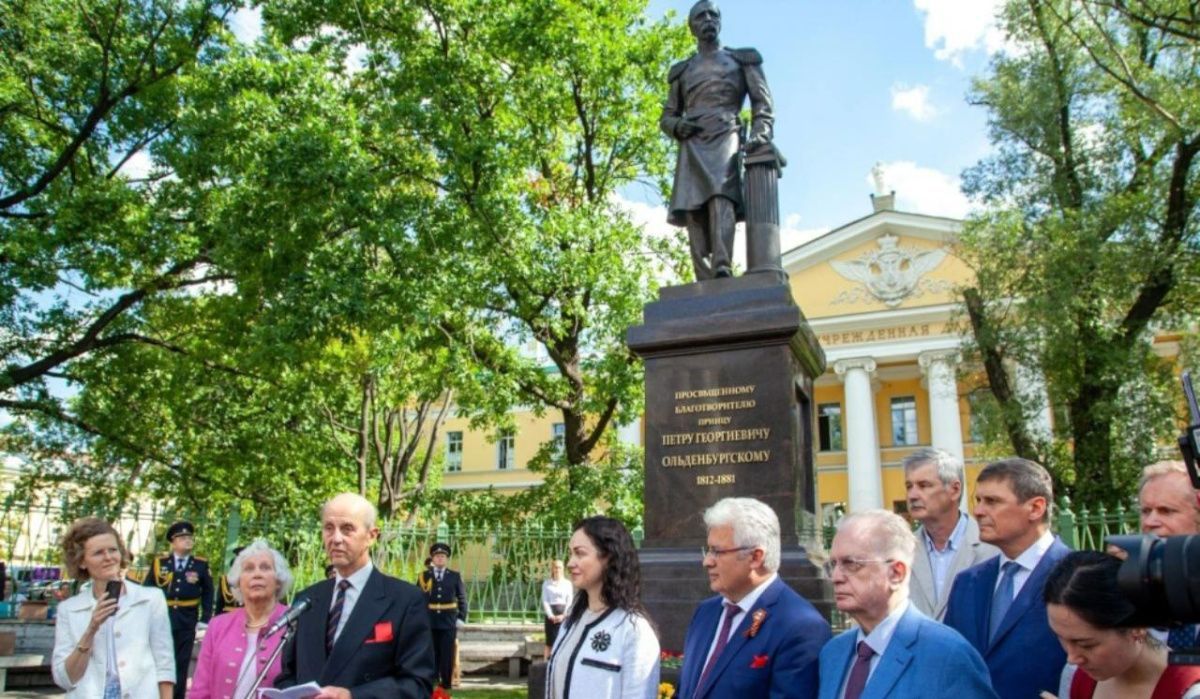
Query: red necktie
point(731, 610)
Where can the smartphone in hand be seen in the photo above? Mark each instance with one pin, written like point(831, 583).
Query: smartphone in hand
point(113, 588)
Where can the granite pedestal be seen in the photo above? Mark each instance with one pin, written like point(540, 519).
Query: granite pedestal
point(729, 371)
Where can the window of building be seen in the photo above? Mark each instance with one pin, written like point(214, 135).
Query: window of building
point(904, 421)
point(506, 452)
point(829, 427)
point(454, 449)
point(558, 432)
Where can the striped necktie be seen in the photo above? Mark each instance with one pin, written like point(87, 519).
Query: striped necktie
point(335, 615)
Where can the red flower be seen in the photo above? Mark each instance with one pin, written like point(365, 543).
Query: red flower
point(440, 693)
point(759, 661)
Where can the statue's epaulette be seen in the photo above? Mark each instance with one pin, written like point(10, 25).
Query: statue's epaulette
point(746, 57)
point(677, 69)
point(202, 559)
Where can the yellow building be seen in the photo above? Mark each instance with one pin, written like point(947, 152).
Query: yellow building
point(879, 293)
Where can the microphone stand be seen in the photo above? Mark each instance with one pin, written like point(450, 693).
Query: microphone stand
point(287, 633)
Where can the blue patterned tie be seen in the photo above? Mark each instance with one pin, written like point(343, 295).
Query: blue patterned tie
point(335, 614)
point(1182, 637)
point(1002, 599)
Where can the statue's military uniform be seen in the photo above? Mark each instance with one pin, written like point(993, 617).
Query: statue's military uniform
point(446, 596)
point(189, 592)
point(709, 89)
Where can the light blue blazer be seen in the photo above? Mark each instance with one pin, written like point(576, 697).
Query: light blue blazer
point(923, 659)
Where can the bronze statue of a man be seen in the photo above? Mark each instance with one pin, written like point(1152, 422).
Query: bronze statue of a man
point(706, 93)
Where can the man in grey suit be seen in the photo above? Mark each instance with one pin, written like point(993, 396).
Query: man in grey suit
point(948, 540)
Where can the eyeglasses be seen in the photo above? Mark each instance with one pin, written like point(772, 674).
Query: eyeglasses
point(706, 551)
point(850, 566)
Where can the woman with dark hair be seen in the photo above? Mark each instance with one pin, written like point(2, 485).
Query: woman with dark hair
point(607, 646)
point(1088, 612)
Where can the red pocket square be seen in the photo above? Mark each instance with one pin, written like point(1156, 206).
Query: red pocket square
point(383, 633)
point(759, 661)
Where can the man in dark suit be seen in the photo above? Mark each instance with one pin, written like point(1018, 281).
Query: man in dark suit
point(896, 651)
point(948, 540)
point(446, 597)
point(367, 634)
point(757, 638)
point(188, 586)
point(997, 605)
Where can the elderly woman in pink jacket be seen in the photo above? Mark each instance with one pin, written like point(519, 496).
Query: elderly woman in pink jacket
point(233, 654)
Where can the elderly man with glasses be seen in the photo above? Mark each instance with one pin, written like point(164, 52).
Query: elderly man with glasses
point(896, 651)
point(757, 637)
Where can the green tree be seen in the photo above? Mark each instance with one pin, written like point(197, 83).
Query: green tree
point(1088, 243)
point(528, 119)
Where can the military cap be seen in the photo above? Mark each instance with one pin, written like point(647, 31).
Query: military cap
point(439, 547)
point(180, 528)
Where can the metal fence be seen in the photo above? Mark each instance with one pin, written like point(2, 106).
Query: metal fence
point(503, 566)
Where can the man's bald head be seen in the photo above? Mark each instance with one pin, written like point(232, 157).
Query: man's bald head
point(352, 503)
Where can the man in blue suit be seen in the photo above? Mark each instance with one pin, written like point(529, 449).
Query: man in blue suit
point(757, 638)
point(896, 651)
point(997, 605)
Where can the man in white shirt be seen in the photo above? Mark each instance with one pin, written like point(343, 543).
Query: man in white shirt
point(997, 605)
point(757, 637)
point(948, 540)
point(896, 651)
point(367, 634)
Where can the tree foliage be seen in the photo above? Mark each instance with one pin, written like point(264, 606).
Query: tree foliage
point(263, 261)
point(1089, 243)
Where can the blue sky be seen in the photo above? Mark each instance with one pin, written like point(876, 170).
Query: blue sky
point(858, 82)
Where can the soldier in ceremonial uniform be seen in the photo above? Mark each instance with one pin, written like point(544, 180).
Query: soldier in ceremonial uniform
point(225, 601)
point(447, 598)
point(188, 586)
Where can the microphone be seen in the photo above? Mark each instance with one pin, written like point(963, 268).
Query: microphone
point(294, 612)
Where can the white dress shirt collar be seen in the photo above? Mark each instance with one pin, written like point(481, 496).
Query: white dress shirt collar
point(1026, 561)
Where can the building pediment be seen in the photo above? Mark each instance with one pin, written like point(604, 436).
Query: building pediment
point(886, 261)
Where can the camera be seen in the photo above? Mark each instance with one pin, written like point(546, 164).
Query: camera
point(1161, 577)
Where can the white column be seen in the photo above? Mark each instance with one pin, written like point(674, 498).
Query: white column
point(940, 369)
point(862, 435)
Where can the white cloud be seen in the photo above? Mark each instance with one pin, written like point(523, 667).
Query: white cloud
point(650, 218)
point(791, 235)
point(923, 190)
point(356, 59)
point(913, 101)
point(138, 166)
point(246, 24)
point(957, 27)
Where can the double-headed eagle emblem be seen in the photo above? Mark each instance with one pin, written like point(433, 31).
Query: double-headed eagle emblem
point(891, 273)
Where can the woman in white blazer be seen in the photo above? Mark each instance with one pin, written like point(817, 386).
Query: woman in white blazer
point(607, 647)
point(106, 647)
